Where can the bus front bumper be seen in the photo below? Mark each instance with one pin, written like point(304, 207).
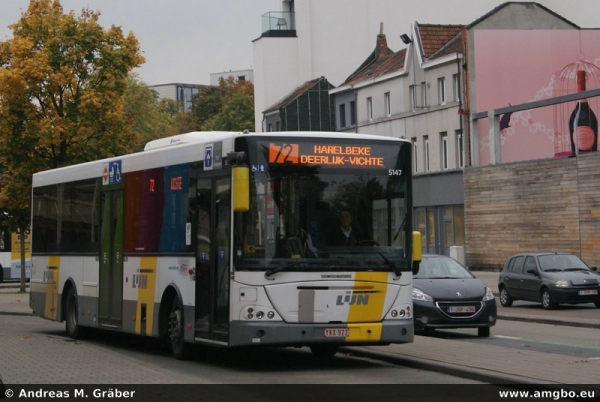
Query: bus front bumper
point(244, 333)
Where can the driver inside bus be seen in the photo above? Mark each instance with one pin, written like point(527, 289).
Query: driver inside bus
point(345, 234)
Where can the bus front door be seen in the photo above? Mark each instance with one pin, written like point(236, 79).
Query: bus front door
point(212, 258)
point(110, 292)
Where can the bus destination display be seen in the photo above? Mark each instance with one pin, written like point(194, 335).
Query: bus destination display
point(322, 154)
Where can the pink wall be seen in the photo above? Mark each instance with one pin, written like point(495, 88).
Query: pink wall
point(520, 66)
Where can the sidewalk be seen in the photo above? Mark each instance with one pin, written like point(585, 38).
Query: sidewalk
point(12, 302)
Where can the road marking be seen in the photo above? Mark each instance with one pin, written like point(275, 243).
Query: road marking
point(571, 345)
point(506, 337)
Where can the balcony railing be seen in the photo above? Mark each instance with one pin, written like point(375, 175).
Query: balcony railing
point(279, 23)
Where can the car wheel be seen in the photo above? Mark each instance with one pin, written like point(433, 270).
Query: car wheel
point(547, 302)
point(505, 298)
point(181, 350)
point(483, 332)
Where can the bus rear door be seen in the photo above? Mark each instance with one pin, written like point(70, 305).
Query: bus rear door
point(110, 304)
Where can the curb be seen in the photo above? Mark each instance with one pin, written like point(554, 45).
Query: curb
point(443, 368)
point(16, 313)
point(506, 379)
point(550, 321)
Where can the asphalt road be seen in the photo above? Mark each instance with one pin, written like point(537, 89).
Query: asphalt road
point(37, 351)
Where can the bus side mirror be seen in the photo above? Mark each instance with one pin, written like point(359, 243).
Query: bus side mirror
point(241, 188)
point(417, 252)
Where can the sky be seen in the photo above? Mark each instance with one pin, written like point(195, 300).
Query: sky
point(183, 41)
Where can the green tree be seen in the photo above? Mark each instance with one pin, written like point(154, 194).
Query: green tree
point(148, 117)
point(206, 103)
point(62, 82)
point(227, 107)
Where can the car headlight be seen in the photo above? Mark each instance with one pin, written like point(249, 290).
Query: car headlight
point(418, 295)
point(562, 283)
point(489, 295)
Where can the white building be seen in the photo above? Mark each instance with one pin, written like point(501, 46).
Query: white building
point(181, 93)
point(239, 75)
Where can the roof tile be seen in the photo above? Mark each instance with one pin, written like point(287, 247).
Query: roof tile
point(433, 37)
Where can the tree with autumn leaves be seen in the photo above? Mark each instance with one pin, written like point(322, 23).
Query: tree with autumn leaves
point(226, 107)
point(62, 82)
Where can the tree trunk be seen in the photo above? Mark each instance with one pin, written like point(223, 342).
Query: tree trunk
point(22, 233)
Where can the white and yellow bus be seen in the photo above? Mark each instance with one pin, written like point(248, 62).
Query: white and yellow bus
point(227, 239)
point(10, 255)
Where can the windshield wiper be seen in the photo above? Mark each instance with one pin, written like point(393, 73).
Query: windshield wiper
point(575, 269)
point(273, 271)
point(391, 264)
point(553, 270)
point(445, 277)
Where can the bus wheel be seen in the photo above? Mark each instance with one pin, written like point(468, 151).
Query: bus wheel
point(74, 330)
point(324, 350)
point(179, 347)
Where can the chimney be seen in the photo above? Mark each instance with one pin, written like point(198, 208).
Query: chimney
point(381, 49)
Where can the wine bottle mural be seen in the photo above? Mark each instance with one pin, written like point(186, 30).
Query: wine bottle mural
point(576, 123)
point(583, 124)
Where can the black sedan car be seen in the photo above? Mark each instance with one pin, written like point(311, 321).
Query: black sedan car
point(447, 295)
point(549, 278)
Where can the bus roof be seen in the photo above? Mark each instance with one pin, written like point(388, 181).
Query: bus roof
point(178, 149)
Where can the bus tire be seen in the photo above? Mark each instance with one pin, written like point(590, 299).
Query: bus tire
point(73, 329)
point(181, 350)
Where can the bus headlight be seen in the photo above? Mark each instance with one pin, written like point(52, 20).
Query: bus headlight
point(399, 312)
point(258, 313)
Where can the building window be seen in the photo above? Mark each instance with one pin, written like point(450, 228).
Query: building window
point(460, 150)
point(442, 90)
point(415, 155)
point(456, 87)
point(388, 104)
point(277, 125)
point(184, 97)
point(270, 127)
point(459, 224)
point(413, 97)
point(370, 109)
point(426, 153)
point(342, 115)
point(444, 146)
point(241, 78)
point(423, 94)
point(352, 112)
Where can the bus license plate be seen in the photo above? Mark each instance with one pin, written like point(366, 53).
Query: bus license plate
point(588, 292)
point(336, 332)
point(461, 309)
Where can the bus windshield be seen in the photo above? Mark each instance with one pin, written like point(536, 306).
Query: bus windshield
point(318, 207)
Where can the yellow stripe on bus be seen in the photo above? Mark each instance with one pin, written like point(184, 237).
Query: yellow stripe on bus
point(146, 282)
point(369, 291)
point(364, 332)
point(52, 288)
